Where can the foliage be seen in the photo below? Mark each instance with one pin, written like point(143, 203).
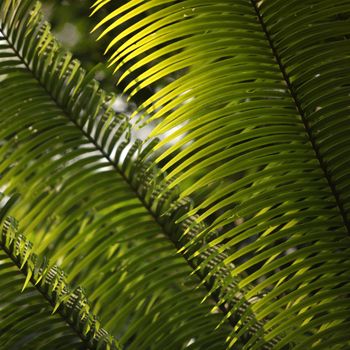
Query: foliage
point(227, 227)
point(32, 315)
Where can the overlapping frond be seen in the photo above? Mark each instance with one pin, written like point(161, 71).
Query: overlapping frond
point(39, 310)
point(311, 42)
point(256, 124)
point(89, 199)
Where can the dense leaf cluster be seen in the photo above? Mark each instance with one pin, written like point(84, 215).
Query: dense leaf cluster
point(226, 227)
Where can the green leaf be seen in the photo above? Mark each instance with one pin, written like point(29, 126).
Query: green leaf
point(31, 308)
point(251, 109)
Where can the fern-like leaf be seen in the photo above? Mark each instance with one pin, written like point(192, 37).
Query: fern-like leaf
point(255, 119)
point(39, 310)
point(90, 199)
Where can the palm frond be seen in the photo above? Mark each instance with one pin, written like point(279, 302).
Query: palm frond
point(262, 150)
point(312, 47)
point(39, 310)
point(88, 199)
